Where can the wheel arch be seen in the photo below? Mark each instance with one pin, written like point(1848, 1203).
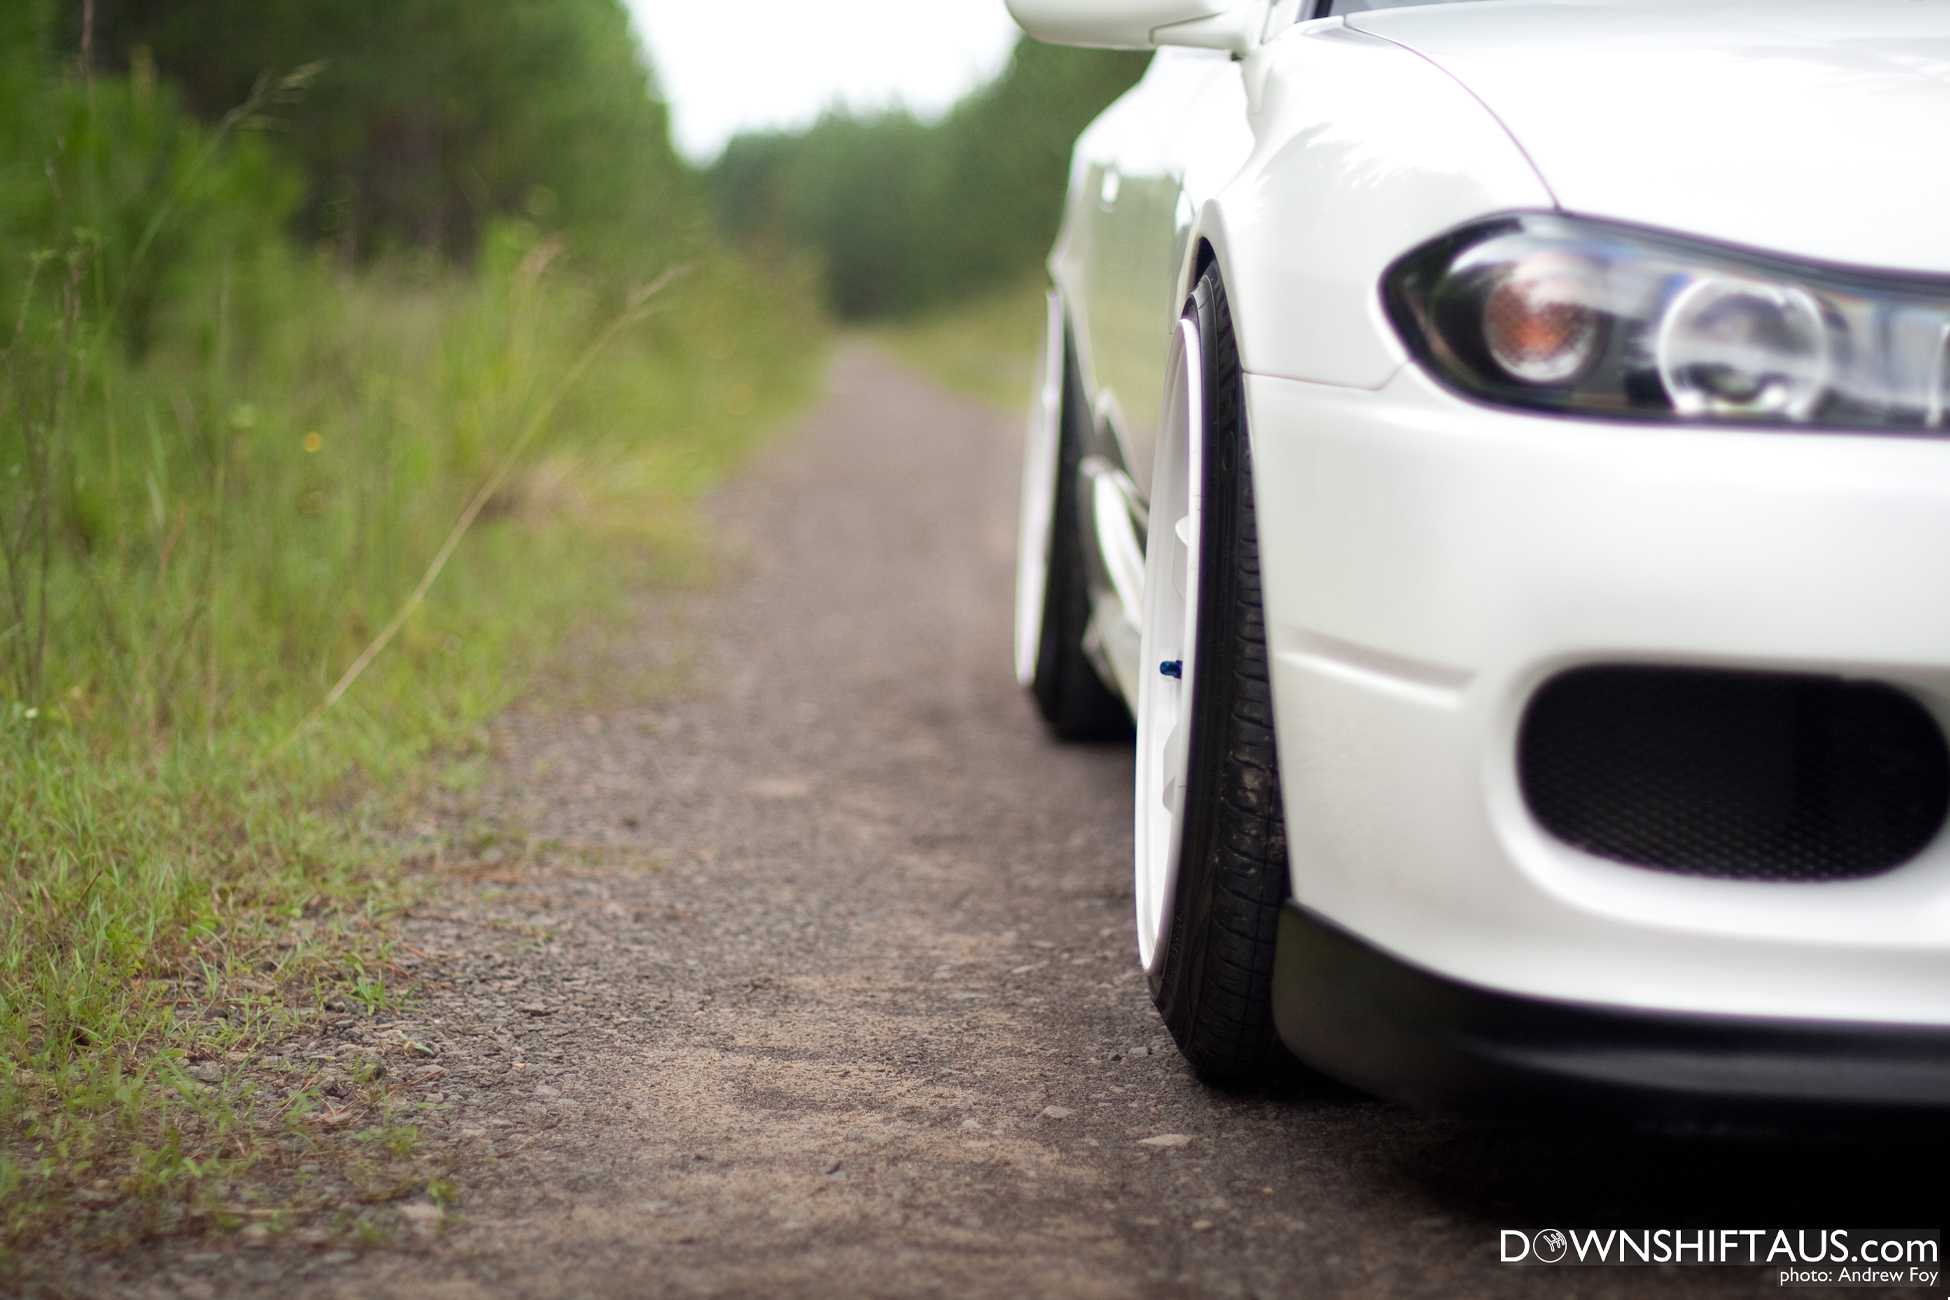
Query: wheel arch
point(1210, 244)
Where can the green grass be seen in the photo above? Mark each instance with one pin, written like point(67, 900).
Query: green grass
point(229, 468)
point(229, 522)
point(988, 348)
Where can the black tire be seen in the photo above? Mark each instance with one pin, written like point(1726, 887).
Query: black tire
point(1214, 987)
point(1070, 695)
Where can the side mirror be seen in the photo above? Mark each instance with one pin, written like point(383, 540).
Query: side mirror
point(1236, 25)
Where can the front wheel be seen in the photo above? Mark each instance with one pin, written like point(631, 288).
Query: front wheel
point(1211, 860)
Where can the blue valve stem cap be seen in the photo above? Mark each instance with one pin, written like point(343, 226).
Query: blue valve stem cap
point(1172, 667)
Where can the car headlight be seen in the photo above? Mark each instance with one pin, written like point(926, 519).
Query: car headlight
point(1573, 315)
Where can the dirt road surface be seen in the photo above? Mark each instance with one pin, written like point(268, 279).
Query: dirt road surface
point(828, 989)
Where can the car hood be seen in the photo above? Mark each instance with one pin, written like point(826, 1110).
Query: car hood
point(1818, 128)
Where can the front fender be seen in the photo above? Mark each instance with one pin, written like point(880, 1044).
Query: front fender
point(1362, 150)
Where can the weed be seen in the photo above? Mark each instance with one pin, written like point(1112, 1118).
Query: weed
point(370, 992)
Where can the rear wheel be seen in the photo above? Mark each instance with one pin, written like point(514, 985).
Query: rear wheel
point(1068, 692)
point(1211, 869)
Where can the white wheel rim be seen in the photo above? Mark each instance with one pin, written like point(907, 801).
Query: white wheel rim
point(1171, 571)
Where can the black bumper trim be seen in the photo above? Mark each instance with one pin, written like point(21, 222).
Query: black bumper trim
point(1391, 1028)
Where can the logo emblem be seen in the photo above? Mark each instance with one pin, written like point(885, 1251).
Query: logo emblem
point(1548, 1245)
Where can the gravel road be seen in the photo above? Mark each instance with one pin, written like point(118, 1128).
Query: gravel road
point(827, 988)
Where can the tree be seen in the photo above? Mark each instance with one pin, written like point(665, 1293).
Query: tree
point(433, 116)
point(905, 216)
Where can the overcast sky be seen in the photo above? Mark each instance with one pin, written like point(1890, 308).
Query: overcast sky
point(732, 65)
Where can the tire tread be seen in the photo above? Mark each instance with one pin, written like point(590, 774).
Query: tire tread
point(1216, 989)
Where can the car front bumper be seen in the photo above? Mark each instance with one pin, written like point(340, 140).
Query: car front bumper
point(1428, 563)
point(1405, 1033)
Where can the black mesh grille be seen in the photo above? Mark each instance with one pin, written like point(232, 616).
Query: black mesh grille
point(1739, 775)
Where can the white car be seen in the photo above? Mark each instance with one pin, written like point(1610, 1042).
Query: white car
point(1533, 588)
